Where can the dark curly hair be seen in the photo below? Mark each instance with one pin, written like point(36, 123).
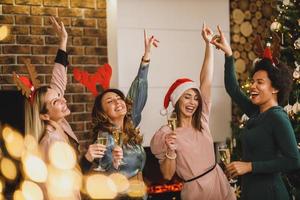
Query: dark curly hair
point(102, 122)
point(280, 76)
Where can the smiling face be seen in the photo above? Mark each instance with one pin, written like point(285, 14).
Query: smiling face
point(56, 106)
point(188, 103)
point(262, 93)
point(113, 106)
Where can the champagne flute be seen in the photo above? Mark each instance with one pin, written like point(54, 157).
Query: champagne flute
point(102, 138)
point(118, 136)
point(225, 157)
point(172, 121)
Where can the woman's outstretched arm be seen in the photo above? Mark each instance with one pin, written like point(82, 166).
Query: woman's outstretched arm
point(206, 73)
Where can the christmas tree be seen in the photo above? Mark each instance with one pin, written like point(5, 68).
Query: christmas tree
point(287, 26)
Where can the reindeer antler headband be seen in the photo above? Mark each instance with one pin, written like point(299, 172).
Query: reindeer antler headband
point(101, 77)
point(27, 85)
point(271, 52)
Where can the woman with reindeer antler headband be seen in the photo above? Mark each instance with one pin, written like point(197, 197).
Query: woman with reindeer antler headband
point(117, 117)
point(268, 142)
point(46, 109)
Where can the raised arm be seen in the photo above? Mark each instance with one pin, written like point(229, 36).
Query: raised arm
point(139, 87)
point(206, 73)
point(59, 73)
point(231, 84)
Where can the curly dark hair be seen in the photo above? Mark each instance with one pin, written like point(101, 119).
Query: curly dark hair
point(102, 122)
point(280, 76)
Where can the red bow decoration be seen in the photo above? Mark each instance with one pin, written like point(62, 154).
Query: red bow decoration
point(90, 81)
point(26, 85)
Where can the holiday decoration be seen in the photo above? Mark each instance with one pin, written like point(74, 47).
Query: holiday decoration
point(296, 107)
point(286, 2)
point(288, 109)
point(25, 84)
point(275, 26)
point(91, 81)
point(297, 44)
point(237, 190)
point(296, 73)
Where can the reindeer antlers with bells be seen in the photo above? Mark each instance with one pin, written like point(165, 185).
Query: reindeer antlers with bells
point(271, 52)
point(27, 85)
point(93, 81)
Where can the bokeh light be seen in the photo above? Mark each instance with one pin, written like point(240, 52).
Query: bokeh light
point(99, 186)
point(31, 191)
point(63, 183)
point(14, 142)
point(18, 195)
point(62, 155)
point(137, 188)
point(8, 168)
point(35, 168)
point(30, 144)
point(120, 181)
point(2, 185)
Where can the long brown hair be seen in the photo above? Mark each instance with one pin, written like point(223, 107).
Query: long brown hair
point(196, 119)
point(102, 122)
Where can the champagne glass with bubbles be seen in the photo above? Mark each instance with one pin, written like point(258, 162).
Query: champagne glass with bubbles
point(102, 138)
point(172, 120)
point(118, 136)
point(225, 157)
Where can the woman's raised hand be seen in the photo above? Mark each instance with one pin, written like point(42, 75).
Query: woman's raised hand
point(60, 31)
point(206, 33)
point(221, 43)
point(148, 42)
point(95, 151)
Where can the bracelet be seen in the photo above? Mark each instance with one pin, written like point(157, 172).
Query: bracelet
point(145, 61)
point(171, 157)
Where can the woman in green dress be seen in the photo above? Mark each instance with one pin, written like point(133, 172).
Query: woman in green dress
point(269, 145)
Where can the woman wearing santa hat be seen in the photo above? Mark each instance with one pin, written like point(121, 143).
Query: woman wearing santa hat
point(188, 150)
point(268, 142)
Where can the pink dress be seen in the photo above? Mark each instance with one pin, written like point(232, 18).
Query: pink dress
point(195, 155)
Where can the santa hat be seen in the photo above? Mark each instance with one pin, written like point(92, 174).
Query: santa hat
point(177, 89)
point(268, 52)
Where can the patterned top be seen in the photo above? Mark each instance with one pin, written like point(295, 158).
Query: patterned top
point(134, 155)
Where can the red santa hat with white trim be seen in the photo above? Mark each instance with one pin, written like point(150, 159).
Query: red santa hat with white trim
point(177, 89)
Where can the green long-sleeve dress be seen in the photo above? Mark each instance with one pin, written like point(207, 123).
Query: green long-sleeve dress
point(268, 141)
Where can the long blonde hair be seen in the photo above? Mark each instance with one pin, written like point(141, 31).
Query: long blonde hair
point(34, 125)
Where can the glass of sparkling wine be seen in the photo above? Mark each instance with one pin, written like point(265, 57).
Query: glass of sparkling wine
point(101, 139)
point(118, 136)
point(172, 121)
point(225, 157)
